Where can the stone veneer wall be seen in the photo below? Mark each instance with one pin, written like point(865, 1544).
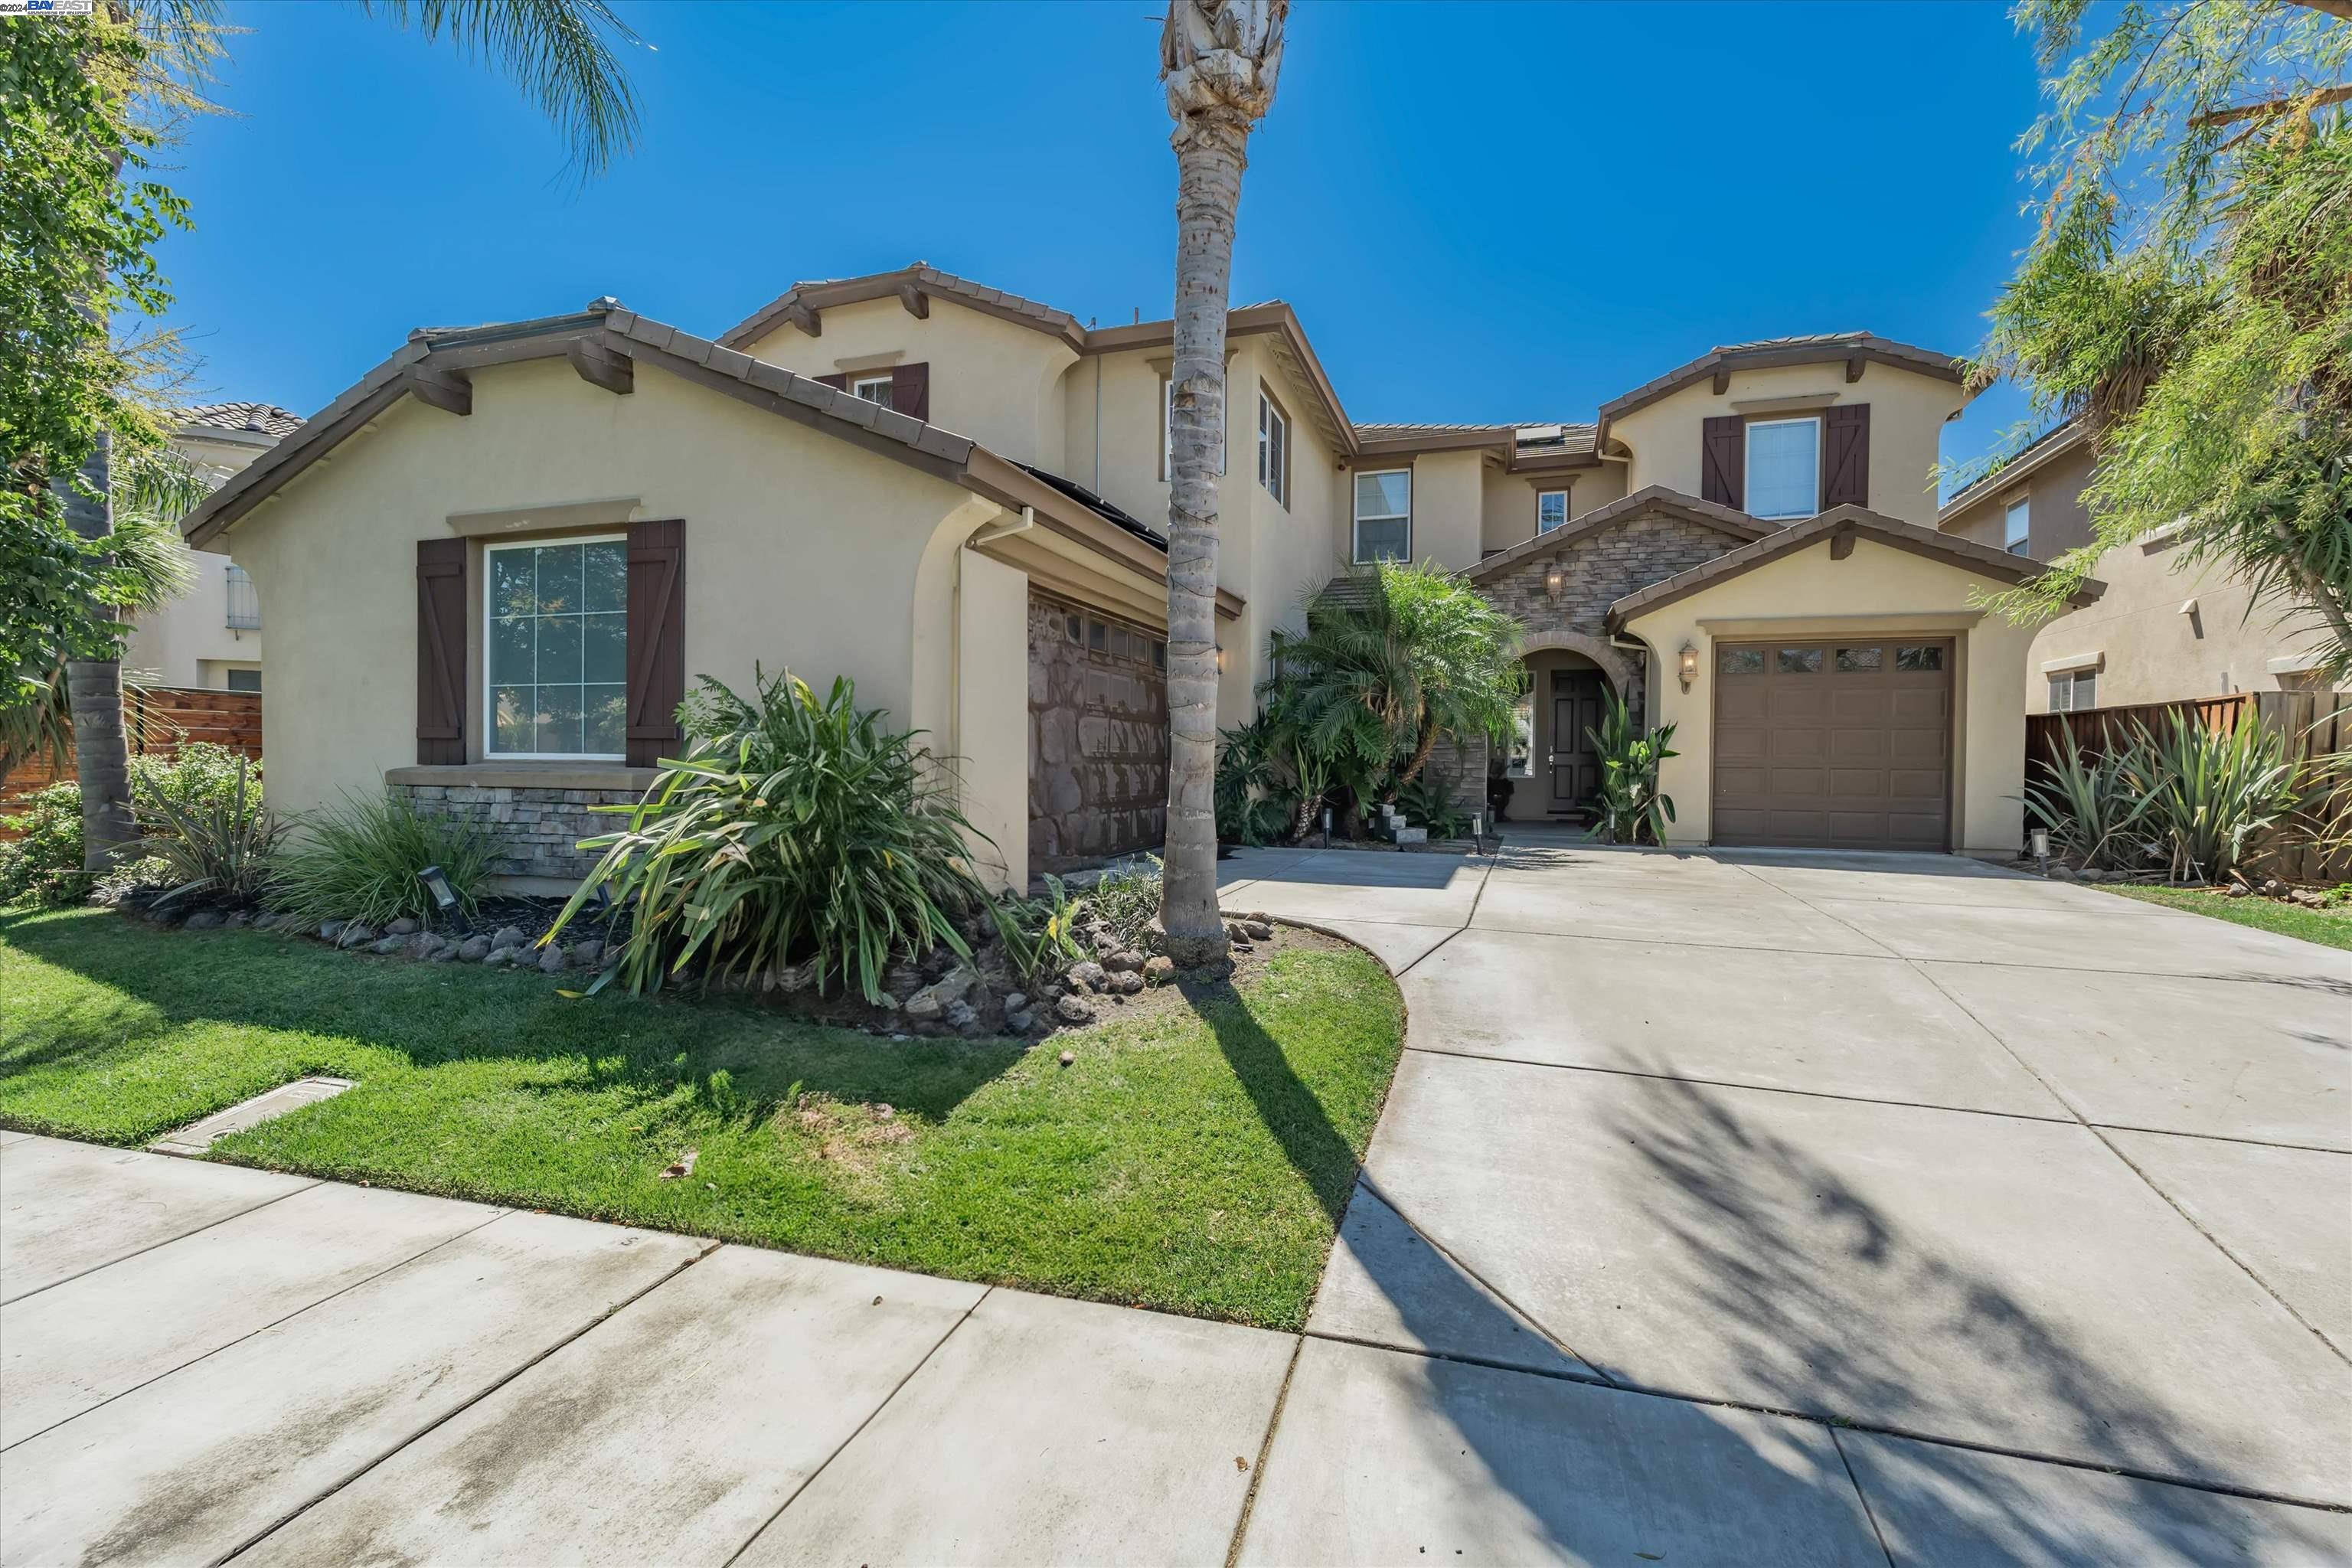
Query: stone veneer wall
point(1464, 762)
point(536, 828)
point(1602, 568)
point(1097, 737)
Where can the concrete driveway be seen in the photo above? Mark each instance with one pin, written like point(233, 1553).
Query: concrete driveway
point(1740, 1209)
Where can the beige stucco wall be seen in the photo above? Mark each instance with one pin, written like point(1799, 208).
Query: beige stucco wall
point(1906, 420)
point(2056, 516)
point(2150, 650)
point(1271, 554)
point(990, 737)
point(1449, 501)
point(1807, 594)
point(188, 642)
point(802, 551)
point(997, 383)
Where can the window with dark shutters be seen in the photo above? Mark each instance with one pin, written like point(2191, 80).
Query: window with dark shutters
point(440, 652)
point(911, 390)
point(657, 638)
point(1845, 454)
point(1723, 460)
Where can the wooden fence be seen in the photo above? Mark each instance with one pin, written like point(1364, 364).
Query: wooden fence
point(159, 721)
point(2313, 722)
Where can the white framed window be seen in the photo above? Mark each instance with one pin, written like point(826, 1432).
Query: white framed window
point(2073, 690)
point(242, 679)
point(2016, 527)
point(1551, 509)
point(1273, 450)
point(1168, 431)
point(872, 388)
point(244, 602)
point(1384, 515)
point(555, 647)
point(1784, 467)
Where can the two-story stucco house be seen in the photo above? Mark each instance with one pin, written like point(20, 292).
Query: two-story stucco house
point(499, 558)
point(2164, 631)
point(210, 636)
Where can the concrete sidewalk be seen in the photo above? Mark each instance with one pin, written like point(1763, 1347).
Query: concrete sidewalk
point(1704, 1226)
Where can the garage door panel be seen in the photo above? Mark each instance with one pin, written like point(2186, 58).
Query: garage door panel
point(1843, 745)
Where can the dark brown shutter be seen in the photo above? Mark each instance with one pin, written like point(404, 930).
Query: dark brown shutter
point(838, 382)
point(440, 652)
point(657, 638)
point(1723, 460)
point(1845, 456)
point(910, 390)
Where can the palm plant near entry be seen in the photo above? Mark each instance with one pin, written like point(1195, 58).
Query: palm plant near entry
point(1218, 60)
point(2212, 796)
point(1632, 808)
point(795, 829)
point(1464, 655)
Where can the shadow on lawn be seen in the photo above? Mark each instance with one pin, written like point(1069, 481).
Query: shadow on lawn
point(735, 1056)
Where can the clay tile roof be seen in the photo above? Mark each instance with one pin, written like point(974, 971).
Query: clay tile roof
point(1810, 348)
point(817, 294)
point(245, 418)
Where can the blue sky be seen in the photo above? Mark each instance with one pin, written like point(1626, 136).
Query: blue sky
point(1598, 191)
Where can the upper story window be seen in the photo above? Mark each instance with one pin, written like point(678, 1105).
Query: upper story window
point(244, 602)
point(2017, 528)
point(1784, 467)
point(1384, 516)
point(872, 388)
point(1551, 509)
point(1273, 449)
point(1168, 433)
point(556, 663)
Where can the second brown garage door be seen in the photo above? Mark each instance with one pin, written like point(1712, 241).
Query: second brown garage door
point(1839, 745)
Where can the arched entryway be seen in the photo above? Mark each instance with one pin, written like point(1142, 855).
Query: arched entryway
point(1553, 769)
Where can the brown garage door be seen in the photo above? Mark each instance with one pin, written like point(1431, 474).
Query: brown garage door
point(1834, 744)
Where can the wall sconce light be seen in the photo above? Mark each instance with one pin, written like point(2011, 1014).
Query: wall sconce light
point(1689, 665)
point(445, 897)
point(1221, 658)
point(1556, 582)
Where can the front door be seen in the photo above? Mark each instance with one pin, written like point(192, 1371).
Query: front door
point(1575, 709)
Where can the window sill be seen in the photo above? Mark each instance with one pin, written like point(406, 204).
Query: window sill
point(528, 776)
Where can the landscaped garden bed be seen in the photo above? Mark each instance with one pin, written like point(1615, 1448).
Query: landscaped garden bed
point(1193, 1155)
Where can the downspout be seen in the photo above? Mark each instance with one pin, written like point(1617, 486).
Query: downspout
point(1096, 485)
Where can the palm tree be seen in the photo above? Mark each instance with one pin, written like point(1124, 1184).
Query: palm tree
point(559, 52)
point(1218, 59)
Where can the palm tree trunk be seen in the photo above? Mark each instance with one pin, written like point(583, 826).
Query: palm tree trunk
point(1420, 753)
point(94, 691)
point(1208, 162)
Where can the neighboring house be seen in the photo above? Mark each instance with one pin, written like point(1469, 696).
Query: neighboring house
point(2164, 631)
point(532, 535)
point(210, 636)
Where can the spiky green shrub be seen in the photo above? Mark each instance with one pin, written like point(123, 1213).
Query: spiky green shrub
point(1429, 801)
point(360, 860)
point(2212, 796)
point(208, 842)
point(2095, 808)
point(1632, 808)
point(1127, 899)
point(795, 829)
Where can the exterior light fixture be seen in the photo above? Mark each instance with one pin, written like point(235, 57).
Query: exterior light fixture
point(1327, 828)
point(1556, 582)
point(2039, 838)
point(1221, 658)
point(445, 897)
point(1689, 665)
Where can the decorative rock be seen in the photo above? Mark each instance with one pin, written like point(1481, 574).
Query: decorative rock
point(551, 960)
point(386, 947)
point(265, 923)
point(1019, 1023)
point(474, 949)
point(588, 954)
point(404, 926)
point(498, 956)
point(1069, 1057)
point(447, 953)
point(961, 1018)
point(508, 936)
point(1087, 977)
point(239, 920)
point(2061, 872)
point(1259, 930)
point(902, 980)
point(1105, 944)
point(2240, 891)
point(425, 944)
point(923, 1006)
point(1127, 981)
point(356, 934)
point(1073, 1009)
point(203, 919)
point(329, 930)
point(1158, 967)
point(1015, 1002)
point(1124, 960)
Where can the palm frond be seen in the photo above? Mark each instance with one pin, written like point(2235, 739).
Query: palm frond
point(557, 51)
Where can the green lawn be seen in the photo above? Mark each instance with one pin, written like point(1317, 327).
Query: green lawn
point(1196, 1161)
point(2329, 927)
